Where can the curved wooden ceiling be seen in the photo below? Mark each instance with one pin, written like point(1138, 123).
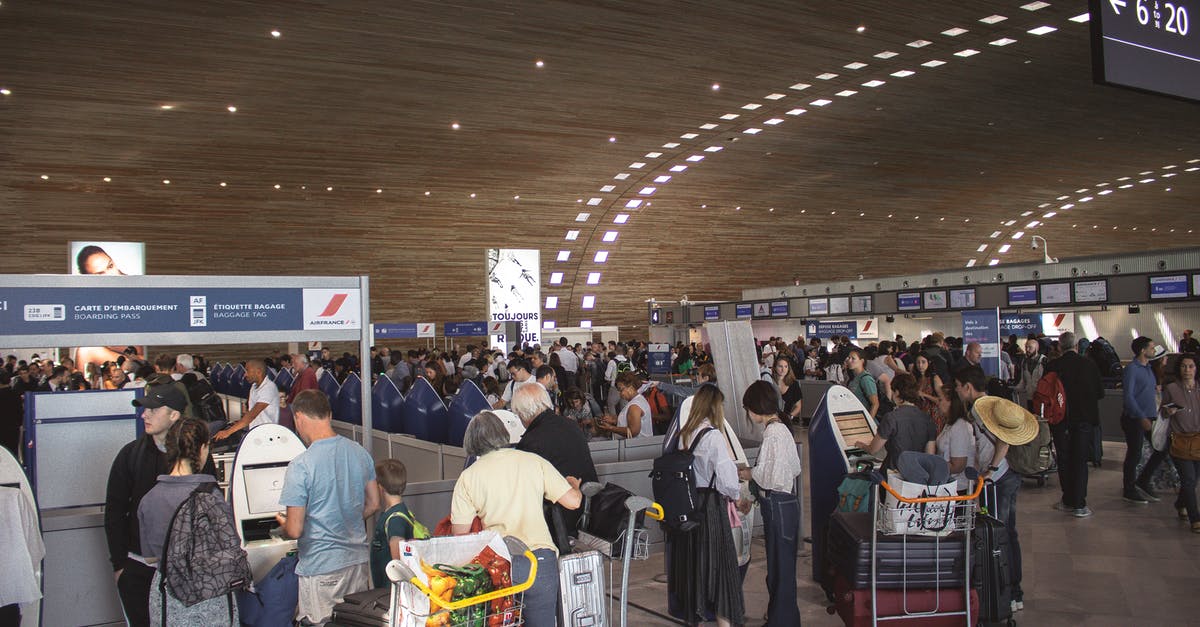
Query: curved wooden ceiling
point(350, 112)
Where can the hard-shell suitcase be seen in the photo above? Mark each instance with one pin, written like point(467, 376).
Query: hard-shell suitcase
point(915, 561)
point(991, 555)
point(581, 582)
point(854, 606)
point(363, 609)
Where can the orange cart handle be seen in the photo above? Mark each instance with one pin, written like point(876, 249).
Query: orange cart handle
point(485, 597)
point(935, 499)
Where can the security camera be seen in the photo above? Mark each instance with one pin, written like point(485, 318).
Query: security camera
point(1033, 244)
point(1037, 274)
point(1162, 264)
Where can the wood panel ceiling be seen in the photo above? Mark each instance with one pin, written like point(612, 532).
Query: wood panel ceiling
point(911, 175)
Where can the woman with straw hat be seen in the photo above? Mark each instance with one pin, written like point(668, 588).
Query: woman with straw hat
point(999, 423)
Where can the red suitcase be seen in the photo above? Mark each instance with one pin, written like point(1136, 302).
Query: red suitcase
point(854, 606)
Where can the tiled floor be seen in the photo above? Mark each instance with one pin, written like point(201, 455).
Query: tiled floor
point(1128, 565)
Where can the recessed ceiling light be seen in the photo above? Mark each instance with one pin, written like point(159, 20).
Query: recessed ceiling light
point(719, 148)
point(276, 34)
point(800, 86)
point(231, 109)
point(622, 176)
point(737, 208)
point(606, 189)
point(612, 140)
point(971, 263)
point(646, 191)
point(564, 255)
point(572, 235)
point(223, 184)
point(1126, 186)
point(797, 112)
point(330, 189)
point(1003, 41)
point(954, 32)
point(1010, 223)
point(637, 165)
point(1005, 248)
point(1067, 206)
point(678, 168)
point(1085, 199)
point(514, 197)
point(1035, 6)
point(670, 145)
point(472, 194)
point(278, 186)
point(551, 302)
point(993, 19)
point(662, 179)
point(621, 218)
point(45, 177)
point(969, 52)
point(856, 65)
point(933, 63)
point(716, 86)
point(585, 324)
point(874, 83)
point(995, 234)
point(982, 247)
point(1081, 18)
point(821, 102)
point(1149, 180)
point(771, 210)
point(730, 116)
point(751, 106)
point(1026, 214)
point(708, 127)
point(4, 91)
point(846, 93)
point(455, 126)
point(774, 96)
point(774, 121)
point(539, 63)
point(1049, 214)
point(886, 54)
point(653, 155)
point(695, 158)
point(633, 203)
point(994, 262)
point(1168, 175)
point(1105, 192)
point(920, 43)
point(166, 181)
point(166, 107)
point(860, 29)
point(593, 278)
point(688, 136)
point(1041, 30)
point(601, 256)
point(903, 73)
point(827, 76)
point(610, 236)
point(556, 278)
point(752, 131)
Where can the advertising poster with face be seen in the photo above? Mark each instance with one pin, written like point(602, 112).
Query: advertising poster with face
point(111, 258)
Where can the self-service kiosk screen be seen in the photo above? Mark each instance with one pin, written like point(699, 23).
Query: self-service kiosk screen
point(264, 483)
point(853, 426)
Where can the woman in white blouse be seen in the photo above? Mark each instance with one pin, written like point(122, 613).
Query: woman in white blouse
point(703, 572)
point(774, 476)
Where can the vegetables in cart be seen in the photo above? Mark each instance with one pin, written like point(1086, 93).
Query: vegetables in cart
point(471, 581)
point(500, 571)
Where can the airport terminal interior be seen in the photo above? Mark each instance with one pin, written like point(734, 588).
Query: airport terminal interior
point(333, 179)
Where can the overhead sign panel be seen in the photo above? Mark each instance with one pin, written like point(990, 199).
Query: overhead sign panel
point(712, 313)
point(1147, 45)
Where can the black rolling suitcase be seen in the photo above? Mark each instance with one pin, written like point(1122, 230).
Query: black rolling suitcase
point(363, 609)
point(990, 572)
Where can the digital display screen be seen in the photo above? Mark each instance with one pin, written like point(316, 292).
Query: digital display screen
point(712, 312)
point(962, 299)
point(818, 306)
point(1022, 295)
point(1196, 285)
point(762, 310)
point(1149, 45)
point(744, 310)
point(113, 258)
point(263, 486)
point(779, 309)
point(1091, 291)
point(935, 299)
point(1167, 287)
point(908, 301)
point(862, 304)
point(839, 305)
point(853, 426)
point(1055, 293)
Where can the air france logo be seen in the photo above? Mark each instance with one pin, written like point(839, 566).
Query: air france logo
point(331, 309)
point(334, 305)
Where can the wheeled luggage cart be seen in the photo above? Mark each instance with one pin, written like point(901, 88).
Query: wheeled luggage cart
point(936, 604)
point(469, 612)
point(632, 543)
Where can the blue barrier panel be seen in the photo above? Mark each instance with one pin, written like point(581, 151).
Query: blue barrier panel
point(387, 406)
point(466, 403)
point(233, 382)
point(349, 400)
point(284, 380)
point(244, 384)
point(329, 385)
point(219, 376)
point(425, 414)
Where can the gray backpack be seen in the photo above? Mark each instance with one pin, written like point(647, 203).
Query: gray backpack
point(202, 556)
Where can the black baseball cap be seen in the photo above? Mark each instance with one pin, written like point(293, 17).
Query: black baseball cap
point(159, 395)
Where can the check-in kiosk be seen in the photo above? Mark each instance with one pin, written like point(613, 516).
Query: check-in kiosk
point(839, 421)
point(462, 408)
point(254, 488)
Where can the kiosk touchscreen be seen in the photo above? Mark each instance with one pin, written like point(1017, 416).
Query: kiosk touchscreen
point(839, 421)
point(255, 484)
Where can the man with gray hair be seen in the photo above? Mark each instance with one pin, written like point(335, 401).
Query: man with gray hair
point(1073, 437)
point(306, 377)
point(554, 438)
point(183, 365)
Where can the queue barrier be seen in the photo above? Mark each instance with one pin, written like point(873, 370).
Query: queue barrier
point(284, 380)
point(347, 405)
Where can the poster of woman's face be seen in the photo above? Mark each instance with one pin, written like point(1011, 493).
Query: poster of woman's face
point(112, 258)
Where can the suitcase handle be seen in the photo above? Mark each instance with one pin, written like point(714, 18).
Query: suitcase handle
point(935, 499)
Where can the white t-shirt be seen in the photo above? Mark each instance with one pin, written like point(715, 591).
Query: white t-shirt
point(267, 393)
point(985, 450)
point(958, 440)
point(568, 358)
point(647, 429)
point(512, 387)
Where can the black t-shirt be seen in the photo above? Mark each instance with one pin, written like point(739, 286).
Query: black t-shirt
point(791, 397)
point(905, 428)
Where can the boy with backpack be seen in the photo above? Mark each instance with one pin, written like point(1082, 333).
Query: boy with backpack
point(396, 524)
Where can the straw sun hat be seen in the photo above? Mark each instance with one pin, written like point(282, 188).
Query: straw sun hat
point(1008, 421)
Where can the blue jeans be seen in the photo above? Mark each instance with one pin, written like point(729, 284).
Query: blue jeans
point(781, 522)
point(1188, 472)
point(1006, 512)
point(541, 600)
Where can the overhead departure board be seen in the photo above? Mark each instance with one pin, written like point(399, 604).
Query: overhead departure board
point(1150, 45)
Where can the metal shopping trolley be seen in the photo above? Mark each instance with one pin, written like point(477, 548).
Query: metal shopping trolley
point(584, 597)
point(498, 608)
point(924, 592)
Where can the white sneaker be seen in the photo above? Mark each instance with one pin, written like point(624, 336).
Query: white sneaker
point(1017, 606)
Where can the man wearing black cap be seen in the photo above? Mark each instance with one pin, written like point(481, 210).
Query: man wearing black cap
point(134, 471)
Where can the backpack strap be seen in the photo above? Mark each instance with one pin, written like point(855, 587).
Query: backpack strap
point(692, 449)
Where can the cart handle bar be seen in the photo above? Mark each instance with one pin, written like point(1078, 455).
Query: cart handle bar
point(655, 512)
point(462, 604)
point(935, 499)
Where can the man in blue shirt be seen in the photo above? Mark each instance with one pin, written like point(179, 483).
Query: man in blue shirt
point(1141, 409)
point(329, 491)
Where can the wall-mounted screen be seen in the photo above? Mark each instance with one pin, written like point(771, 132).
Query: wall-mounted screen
point(908, 301)
point(1055, 293)
point(712, 313)
point(818, 306)
point(1168, 287)
point(1196, 285)
point(1146, 45)
point(88, 257)
point(762, 310)
point(264, 483)
point(864, 304)
point(779, 309)
point(1091, 291)
point(1019, 295)
point(962, 298)
point(935, 299)
point(839, 305)
point(744, 310)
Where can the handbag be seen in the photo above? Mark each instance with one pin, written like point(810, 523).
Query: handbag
point(922, 519)
point(1186, 446)
point(1160, 433)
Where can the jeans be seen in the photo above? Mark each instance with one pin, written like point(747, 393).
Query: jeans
point(781, 522)
point(1072, 443)
point(541, 600)
point(1134, 436)
point(1006, 511)
point(1188, 471)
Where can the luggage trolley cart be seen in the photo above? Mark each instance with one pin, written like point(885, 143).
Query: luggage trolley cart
point(480, 611)
point(582, 590)
point(960, 511)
